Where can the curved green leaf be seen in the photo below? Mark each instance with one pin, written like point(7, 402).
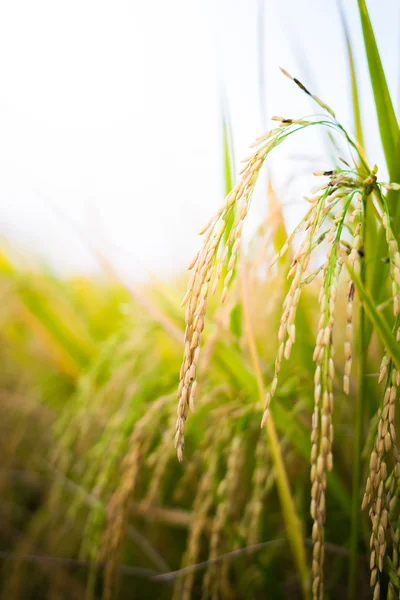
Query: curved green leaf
point(379, 323)
point(353, 78)
point(388, 126)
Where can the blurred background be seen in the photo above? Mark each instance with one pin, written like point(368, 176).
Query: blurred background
point(111, 116)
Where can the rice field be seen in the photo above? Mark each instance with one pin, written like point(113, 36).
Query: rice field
point(264, 463)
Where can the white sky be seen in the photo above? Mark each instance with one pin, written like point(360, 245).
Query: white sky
point(110, 115)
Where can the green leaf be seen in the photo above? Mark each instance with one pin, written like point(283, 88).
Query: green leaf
point(229, 169)
point(390, 136)
point(379, 323)
point(236, 320)
point(388, 126)
point(229, 164)
point(353, 78)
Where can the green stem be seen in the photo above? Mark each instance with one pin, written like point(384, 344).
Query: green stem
point(292, 521)
point(358, 440)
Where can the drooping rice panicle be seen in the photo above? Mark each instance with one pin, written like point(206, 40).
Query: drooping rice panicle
point(381, 492)
point(287, 329)
point(354, 261)
point(335, 206)
point(207, 267)
point(380, 504)
point(322, 427)
point(213, 582)
point(262, 480)
point(117, 515)
point(392, 489)
point(118, 506)
point(159, 461)
point(204, 501)
point(374, 493)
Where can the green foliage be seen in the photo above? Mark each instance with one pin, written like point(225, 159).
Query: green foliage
point(71, 453)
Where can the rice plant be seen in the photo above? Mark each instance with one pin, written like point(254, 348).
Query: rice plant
point(287, 483)
point(337, 224)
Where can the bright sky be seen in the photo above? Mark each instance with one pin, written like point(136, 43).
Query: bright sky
point(110, 123)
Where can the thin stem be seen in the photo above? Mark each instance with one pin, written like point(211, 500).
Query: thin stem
point(293, 524)
point(358, 441)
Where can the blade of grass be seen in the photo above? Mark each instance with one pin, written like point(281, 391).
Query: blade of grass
point(276, 220)
point(376, 318)
point(388, 126)
point(292, 520)
point(229, 161)
point(60, 324)
point(353, 78)
point(390, 136)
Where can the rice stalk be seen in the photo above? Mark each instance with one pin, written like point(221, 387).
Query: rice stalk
point(214, 580)
point(204, 499)
point(118, 507)
point(289, 510)
point(331, 214)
